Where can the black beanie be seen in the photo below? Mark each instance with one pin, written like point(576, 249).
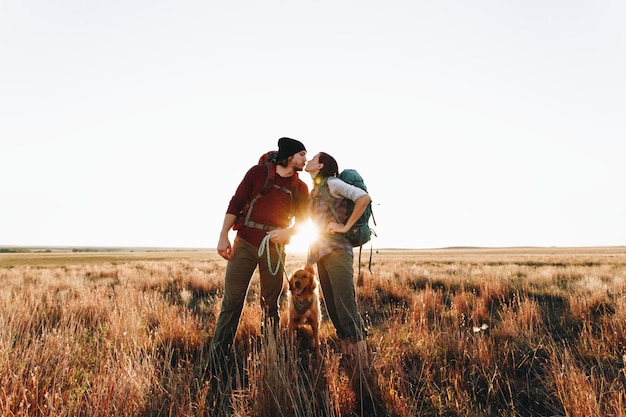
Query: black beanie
point(288, 147)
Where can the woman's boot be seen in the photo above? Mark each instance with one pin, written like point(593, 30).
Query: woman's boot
point(356, 353)
point(355, 356)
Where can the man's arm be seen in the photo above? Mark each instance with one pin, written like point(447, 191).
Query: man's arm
point(223, 245)
point(283, 236)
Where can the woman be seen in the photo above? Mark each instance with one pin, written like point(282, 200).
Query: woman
point(332, 252)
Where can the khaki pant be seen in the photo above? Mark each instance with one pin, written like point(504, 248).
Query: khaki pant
point(239, 271)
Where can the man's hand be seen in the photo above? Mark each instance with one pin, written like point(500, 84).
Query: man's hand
point(224, 248)
point(280, 236)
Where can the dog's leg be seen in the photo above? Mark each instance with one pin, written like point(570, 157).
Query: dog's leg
point(291, 330)
point(315, 326)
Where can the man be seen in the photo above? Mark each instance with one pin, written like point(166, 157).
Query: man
point(258, 216)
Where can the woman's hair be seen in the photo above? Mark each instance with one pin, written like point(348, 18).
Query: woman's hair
point(330, 168)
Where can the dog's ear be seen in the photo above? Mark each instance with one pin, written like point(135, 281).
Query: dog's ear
point(309, 269)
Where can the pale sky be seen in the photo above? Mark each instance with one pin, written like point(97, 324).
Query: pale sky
point(483, 123)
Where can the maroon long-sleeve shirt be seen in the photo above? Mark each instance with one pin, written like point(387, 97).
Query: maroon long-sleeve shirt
point(273, 208)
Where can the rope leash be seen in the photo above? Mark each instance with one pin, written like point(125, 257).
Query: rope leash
point(265, 247)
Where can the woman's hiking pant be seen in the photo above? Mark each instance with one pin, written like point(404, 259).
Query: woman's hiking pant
point(336, 275)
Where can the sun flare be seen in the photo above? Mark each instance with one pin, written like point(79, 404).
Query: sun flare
point(306, 234)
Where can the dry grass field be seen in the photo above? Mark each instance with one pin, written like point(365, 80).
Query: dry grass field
point(456, 332)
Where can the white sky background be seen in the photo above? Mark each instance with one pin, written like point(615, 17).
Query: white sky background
point(485, 123)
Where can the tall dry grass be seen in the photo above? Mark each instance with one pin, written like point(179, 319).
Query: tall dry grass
point(522, 332)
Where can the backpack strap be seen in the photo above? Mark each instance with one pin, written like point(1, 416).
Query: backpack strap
point(324, 191)
point(269, 179)
point(370, 264)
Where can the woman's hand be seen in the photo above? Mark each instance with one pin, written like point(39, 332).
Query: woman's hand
point(336, 228)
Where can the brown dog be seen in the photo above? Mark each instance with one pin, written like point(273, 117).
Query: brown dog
point(304, 307)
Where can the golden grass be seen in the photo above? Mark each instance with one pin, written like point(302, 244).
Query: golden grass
point(515, 332)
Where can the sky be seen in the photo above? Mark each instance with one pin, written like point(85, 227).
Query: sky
point(483, 123)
